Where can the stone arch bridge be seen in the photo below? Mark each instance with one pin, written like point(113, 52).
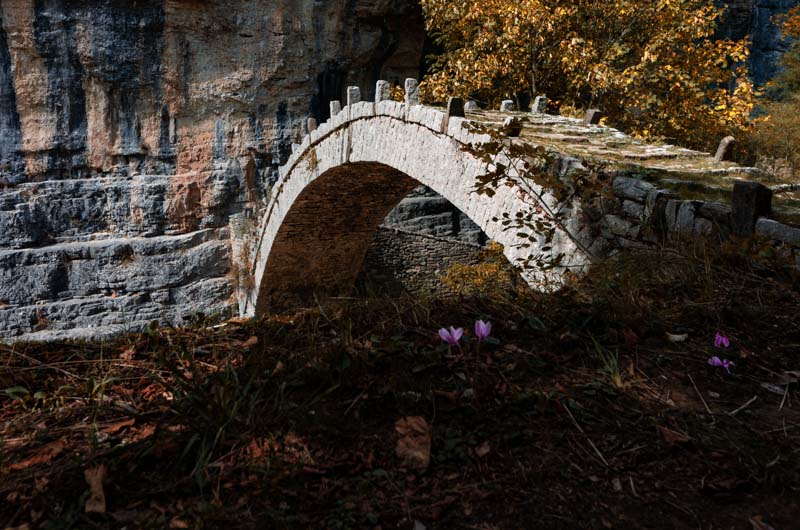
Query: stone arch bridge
point(347, 175)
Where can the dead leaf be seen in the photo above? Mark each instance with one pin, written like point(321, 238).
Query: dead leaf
point(116, 427)
point(759, 524)
point(725, 486)
point(177, 522)
point(414, 445)
point(278, 368)
point(450, 396)
point(673, 437)
point(631, 338)
point(249, 343)
point(144, 432)
point(128, 354)
point(42, 455)
point(483, 449)
point(97, 498)
point(41, 483)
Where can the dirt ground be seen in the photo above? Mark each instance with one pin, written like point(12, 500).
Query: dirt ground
point(592, 408)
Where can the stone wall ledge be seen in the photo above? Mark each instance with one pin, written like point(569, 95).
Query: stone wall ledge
point(99, 316)
point(39, 214)
point(443, 240)
point(640, 204)
point(114, 281)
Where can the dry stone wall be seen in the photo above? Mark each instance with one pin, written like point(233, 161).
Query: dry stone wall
point(643, 214)
point(399, 260)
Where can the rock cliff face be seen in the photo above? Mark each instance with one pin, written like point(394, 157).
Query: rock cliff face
point(131, 129)
point(756, 19)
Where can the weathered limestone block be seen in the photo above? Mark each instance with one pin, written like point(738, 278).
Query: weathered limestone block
point(767, 228)
point(716, 211)
point(614, 225)
point(593, 117)
point(633, 209)
point(725, 149)
point(653, 199)
point(507, 106)
point(703, 227)
point(750, 200)
point(539, 105)
point(685, 218)
point(631, 188)
point(353, 95)
point(383, 91)
point(412, 92)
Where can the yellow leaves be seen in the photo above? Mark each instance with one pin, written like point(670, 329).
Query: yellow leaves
point(649, 65)
point(790, 22)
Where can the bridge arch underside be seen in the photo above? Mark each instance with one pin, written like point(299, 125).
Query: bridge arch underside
point(320, 246)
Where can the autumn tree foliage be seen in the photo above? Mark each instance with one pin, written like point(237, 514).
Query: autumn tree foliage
point(653, 66)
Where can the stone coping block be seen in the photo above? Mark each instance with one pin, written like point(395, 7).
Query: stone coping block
point(776, 231)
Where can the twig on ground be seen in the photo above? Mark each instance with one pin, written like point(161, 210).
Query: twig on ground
point(577, 426)
point(356, 400)
point(737, 411)
point(701, 396)
point(785, 395)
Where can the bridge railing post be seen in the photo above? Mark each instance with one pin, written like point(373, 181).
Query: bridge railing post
point(725, 150)
point(353, 95)
point(593, 117)
point(539, 105)
point(749, 201)
point(412, 92)
point(455, 109)
point(383, 91)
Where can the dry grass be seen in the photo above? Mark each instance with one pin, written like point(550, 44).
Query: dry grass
point(775, 140)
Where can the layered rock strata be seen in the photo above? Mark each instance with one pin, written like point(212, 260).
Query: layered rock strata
point(131, 130)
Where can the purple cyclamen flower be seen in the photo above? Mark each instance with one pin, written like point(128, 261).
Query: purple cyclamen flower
point(482, 329)
point(721, 363)
point(721, 340)
point(452, 336)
